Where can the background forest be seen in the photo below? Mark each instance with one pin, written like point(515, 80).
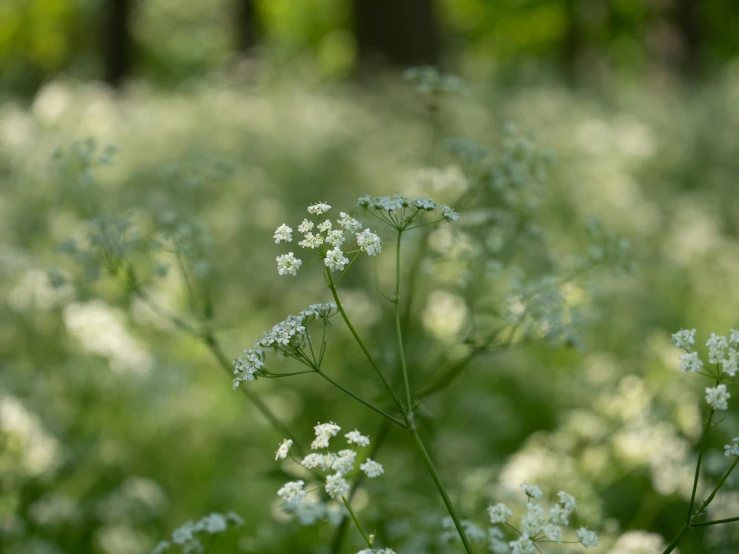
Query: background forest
point(206, 124)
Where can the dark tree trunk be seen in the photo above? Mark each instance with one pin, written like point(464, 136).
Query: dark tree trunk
point(247, 25)
point(397, 32)
point(687, 20)
point(117, 41)
point(572, 41)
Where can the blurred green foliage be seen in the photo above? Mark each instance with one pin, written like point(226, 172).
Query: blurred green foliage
point(116, 428)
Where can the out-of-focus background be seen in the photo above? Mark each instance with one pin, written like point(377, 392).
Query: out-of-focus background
point(224, 119)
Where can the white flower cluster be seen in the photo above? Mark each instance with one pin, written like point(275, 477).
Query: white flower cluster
point(380, 551)
point(333, 467)
point(732, 449)
point(535, 525)
point(186, 536)
point(287, 338)
point(723, 353)
point(326, 241)
point(401, 209)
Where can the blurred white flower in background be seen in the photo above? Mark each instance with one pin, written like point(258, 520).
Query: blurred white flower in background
point(445, 314)
point(39, 452)
point(101, 330)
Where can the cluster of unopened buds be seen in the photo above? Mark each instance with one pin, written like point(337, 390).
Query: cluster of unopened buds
point(536, 526)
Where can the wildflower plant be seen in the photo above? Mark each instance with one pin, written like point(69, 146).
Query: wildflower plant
point(507, 286)
point(719, 366)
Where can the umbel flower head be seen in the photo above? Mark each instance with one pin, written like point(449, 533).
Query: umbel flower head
point(332, 468)
point(402, 212)
point(536, 526)
point(723, 363)
point(286, 338)
point(325, 241)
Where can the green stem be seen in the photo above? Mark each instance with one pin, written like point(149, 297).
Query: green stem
point(353, 331)
point(356, 522)
point(716, 522)
point(440, 487)
point(701, 450)
point(670, 547)
point(362, 400)
point(380, 435)
point(211, 342)
point(409, 414)
point(398, 331)
point(715, 490)
point(209, 339)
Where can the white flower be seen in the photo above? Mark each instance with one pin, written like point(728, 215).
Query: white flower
point(336, 486)
point(283, 450)
point(732, 449)
point(335, 260)
point(325, 226)
point(524, 545)
point(425, 203)
point(320, 461)
point(292, 492)
point(730, 364)
point(247, 365)
point(717, 346)
point(311, 241)
point(364, 201)
point(335, 237)
point(532, 491)
point(371, 468)
point(213, 523)
point(355, 437)
point(288, 264)
point(587, 537)
point(499, 513)
point(684, 338)
point(161, 547)
point(283, 232)
point(534, 520)
point(324, 432)
point(449, 214)
point(734, 337)
point(559, 515)
point(349, 223)
point(569, 503)
point(305, 226)
point(553, 532)
point(318, 209)
point(344, 462)
point(691, 362)
point(717, 397)
point(369, 242)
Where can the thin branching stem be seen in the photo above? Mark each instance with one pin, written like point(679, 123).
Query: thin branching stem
point(356, 522)
point(371, 406)
point(701, 451)
point(716, 522)
point(353, 331)
point(409, 414)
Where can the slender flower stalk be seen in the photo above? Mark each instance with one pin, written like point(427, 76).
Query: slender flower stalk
point(409, 414)
point(403, 367)
point(371, 406)
point(356, 522)
point(716, 522)
point(701, 451)
point(353, 331)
